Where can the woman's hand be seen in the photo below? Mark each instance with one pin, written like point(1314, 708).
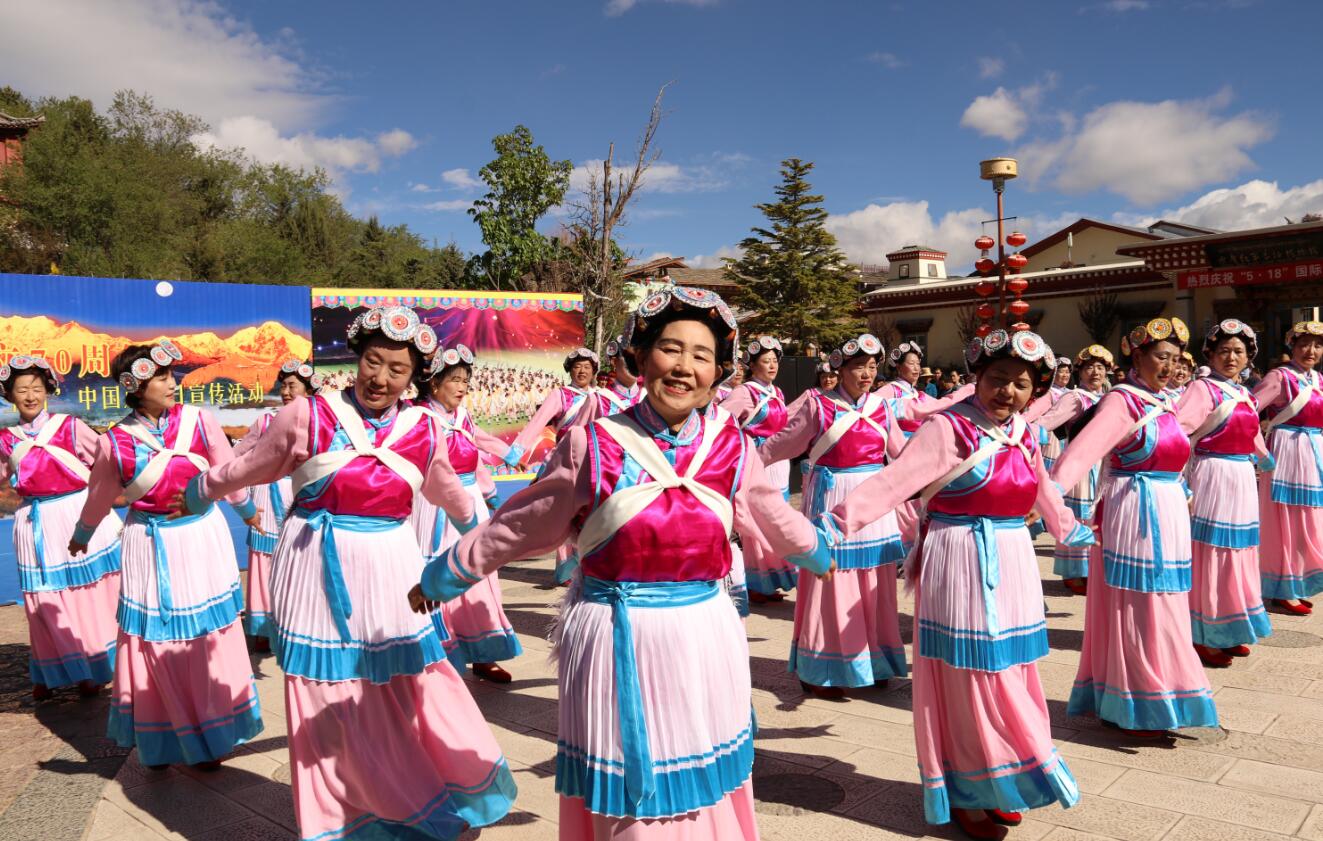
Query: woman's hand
point(826, 576)
point(255, 521)
point(419, 603)
point(178, 507)
point(1033, 517)
point(76, 548)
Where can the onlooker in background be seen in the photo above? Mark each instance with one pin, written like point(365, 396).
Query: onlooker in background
point(926, 383)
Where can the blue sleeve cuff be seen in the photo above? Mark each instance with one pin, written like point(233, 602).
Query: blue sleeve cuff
point(465, 528)
point(1266, 463)
point(739, 594)
point(444, 579)
point(196, 501)
point(82, 535)
point(1081, 535)
point(512, 457)
point(245, 509)
point(818, 559)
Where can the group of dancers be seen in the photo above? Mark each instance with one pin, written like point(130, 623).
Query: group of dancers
point(375, 544)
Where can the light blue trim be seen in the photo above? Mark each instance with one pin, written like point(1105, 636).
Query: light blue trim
point(444, 579)
point(196, 501)
point(82, 534)
point(335, 660)
point(1142, 481)
point(77, 572)
point(1287, 587)
point(1224, 535)
point(601, 784)
point(1069, 562)
point(162, 743)
point(445, 816)
point(565, 569)
point(512, 456)
point(1080, 537)
point(824, 479)
point(1166, 710)
point(818, 560)
point(260, 541)
point(984, 532)
point(768, 581)
point(1298, 494)
point(73, 668)
point(739, 594)
point(259, 625)
point(185, 623)
point(265, 542)
point(1017, 787)
point(965, 648)
point(245, 509)
point(333, 576)
point(825, 668)
point(1231, 629)
point(869, 554)
point(1143, 575)
point(491, 647)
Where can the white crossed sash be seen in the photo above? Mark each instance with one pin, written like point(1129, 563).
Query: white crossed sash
point(1308, 388)
point(1217, 417)
point(42, 441)
point(764, 398)
point(999, 439)
point(142, 484)
point(846, 417)
point(360, 446)
point(622, 506)
point(575, 405)
point(1160, 405)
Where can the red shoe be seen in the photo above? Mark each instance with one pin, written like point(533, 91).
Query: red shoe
point(1301, 609)
point(261, 645)
point(1078, 586)
point(980, 830)
point(762, 598)
point(826, 693)
point(1306, 603)
point(882, 684)
point(491, 671)
point(209, 766)
point(41, 692)
point(88, 689)
point(1212, 657)
point(1005, 818)
point(1237, 651)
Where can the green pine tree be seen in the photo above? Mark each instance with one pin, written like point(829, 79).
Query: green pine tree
point(792, 276)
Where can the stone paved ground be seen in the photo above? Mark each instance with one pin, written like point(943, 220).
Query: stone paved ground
point(843, 770)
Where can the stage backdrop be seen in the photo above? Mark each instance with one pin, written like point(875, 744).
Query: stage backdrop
point(520, 341)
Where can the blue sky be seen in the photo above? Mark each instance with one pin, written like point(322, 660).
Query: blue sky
point(1204, 110)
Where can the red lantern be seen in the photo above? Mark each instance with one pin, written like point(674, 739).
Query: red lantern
point(984, 242)
point(985, 288)
point(1017, 285)
point(984, 265)
point(1018, 308)
point(983, 330)
point(1019, 326)
point(1016, 261)
point(985, 312)
point(1015, 239)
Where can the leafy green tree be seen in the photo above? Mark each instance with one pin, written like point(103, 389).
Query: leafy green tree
point(792, 276)
point(523, 184)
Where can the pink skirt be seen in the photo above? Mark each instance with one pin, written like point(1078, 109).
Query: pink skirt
point(257, 615)
point(72, 633)
point(733, 818)
point(1226, 605)
point(765, 572)
point(412, 757)
point(1291, 513)
point(847, 630)
point(185, 701)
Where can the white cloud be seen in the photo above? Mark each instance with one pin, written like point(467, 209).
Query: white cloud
point(990, 67)
point(664, 176)
point(891, 61)
point(1254, 204)
point(261, 140)
point(448, 206)
point(460, 179)
point(1148, 151)
point(1117, 6)
point(867, 234)
point(615, 8)
point(715, 260)
point(421, 188)
point(396, 142)
point(1005, 113)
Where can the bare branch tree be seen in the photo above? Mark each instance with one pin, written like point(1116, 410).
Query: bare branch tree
point(1100, 313)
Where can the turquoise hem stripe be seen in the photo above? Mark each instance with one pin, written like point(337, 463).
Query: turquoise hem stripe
point(260, 541)
point(259, 625)
point(443, 579)
point(869, 555)
point(1300, 495)
point(1224, 535)
point(823, 668)
point(1169, 710)
point(377, 662)
point(78, 572)
point(565, 570)
point(600, 783)
point(1126, 572)
point(1231, 630)
point(768, 582)
point(445, 816)
point(977, 650)
point(159, 743)
point(1028, 784)
point(1286, 587)
point(73, 668)
point(739, 595)
point(186, 623)
point(1068, 562)
point(488, 648)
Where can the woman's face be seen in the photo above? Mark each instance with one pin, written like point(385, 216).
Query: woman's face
point(828, 380)
point(1180, 374)
point(157, 395)
point(1062, 378)
point(292, 388)
point(1306, 351)
point(909, 368)
point(384, 372)
point(858, 375)
point(766, 366)
point(28, 394)
point(679, 370)
point(1229, 357)
point(1156, 363)
point(1093, 375)
point(450, 389)
point(1005, 387)
point(581, 373)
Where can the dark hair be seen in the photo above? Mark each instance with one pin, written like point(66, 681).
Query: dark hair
point(420, 365)
point(44, 374)
point(123, 361)
point(439, 377)
point(650, 336)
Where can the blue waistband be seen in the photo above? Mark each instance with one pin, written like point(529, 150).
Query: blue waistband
point(1227, 456)
point(1151, 475)
point(989, 561)
point(333, 577)
point(1307, 430)
point(154, 524)
point(640, 782)
point(824, 479)
point(34, 504)
point(1148, 506)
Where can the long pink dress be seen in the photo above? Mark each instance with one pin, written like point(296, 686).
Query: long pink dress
point(1226, 606)
point(385, 740)
point(272, 503)
point(1072, 561)
point(760, 410)
point(183, 690)
point(477, 630)
point(69, 602)
point(1291, 496)
point(656, 733)
point(847, 629)
point(1138, 669)
point(981, 724)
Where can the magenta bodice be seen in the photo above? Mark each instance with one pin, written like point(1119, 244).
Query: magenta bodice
point(1236, 435)
point(861, 444)
point(1160, 445)
point(652, 547)
point(460, 448)
point(132, 456)
point(770, 419)
point(40, 474)
point(1005, 485)
point(365, 487)
point(1312, 413)
point(905, 391)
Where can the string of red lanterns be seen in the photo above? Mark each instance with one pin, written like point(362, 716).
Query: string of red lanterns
point(1013, 264)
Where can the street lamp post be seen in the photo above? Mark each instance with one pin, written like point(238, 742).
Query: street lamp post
point(999, 171)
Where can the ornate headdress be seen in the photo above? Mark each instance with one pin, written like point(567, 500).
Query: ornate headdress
point(303, 370)
point(761, 345)
point(1095, 353)
point(674, 302)
point(1227, 328)
point(459, 354)
point(1189, 358)
point(399, 324)
point(898, 353)
point(1303, 328)
point(162, 355)
point(582, 353)
point(1024, 345)
point(29, 365)
point(1157, 330)
point(615, 347)
point(865, 344)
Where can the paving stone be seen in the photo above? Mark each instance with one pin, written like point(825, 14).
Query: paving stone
point(178, 804)
point(1207, 800)
point(1313, 671)
point(1313, 828)
point(1265, 681)
point(253, 829)
point(272, 800)
point(1192, 828)
point(1065, 833)
point(1269, 701)
point(1266, 749)
point(1110, 818)
point(1110, 748)
point(1278, 780)
point(1296, 729)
